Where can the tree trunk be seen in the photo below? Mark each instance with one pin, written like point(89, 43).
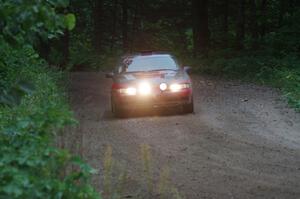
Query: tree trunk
point(65, 41)
point(291, 6)
point(125, 25)
point(200, 26)
point(135, 22)
point(253, 23)
point(281, 12)
point(263, 17)
point(98, 23)
point(113, 32)
point(240, 36)
point(225, 22)
point(43, 48)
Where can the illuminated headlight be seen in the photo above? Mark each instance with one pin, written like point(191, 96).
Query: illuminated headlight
point(144, 88)
point(128, 91)
point(163, 86)
point(178, 87)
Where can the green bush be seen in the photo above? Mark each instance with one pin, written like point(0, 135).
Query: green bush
point(84, 57)
point(33, 109)
point(30, 164)
point(22, 21)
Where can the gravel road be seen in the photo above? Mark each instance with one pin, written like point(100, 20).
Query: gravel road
point(242, 142)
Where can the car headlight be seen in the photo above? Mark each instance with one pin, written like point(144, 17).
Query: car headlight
point(163, 86)
point(128, 91)
point(144, 88)
point(177, 87)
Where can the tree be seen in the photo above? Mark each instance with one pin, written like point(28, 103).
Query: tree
point(253, 23)
point(125, 24)
point(225, 22)
point(263, 13)
point(135, 22)
point(114, 23)
point(200, 26)
point(240, 32)
point(98, 24)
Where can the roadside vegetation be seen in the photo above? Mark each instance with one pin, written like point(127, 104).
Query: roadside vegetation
point(279, 72)
point(33, 109)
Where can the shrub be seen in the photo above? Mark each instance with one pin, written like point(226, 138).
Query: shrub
point(30, 116)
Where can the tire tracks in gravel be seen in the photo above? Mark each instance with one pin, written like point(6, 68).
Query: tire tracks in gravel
point(242, 142)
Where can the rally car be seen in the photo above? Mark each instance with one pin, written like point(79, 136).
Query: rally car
point(150, 80)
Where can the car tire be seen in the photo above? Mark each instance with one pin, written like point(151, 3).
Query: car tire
point(117, 111)
point(189, 108)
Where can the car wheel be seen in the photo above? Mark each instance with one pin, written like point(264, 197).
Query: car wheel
point(117, 111)
point(189, 108)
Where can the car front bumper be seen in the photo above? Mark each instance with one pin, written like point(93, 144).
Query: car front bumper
point(155, 100)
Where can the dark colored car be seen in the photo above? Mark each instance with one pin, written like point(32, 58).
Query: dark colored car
point(150, 80)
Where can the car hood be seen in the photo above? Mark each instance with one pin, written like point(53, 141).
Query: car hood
point(165, 76)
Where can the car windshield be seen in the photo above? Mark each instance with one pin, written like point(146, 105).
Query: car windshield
point(151, 63)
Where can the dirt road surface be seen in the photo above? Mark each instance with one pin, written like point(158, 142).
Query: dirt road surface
point(242, 142)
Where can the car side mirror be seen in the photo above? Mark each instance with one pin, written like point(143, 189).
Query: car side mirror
point(187, 69)
point(109, 75)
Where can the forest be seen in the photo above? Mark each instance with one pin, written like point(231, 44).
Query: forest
point(255, 40)
point(41, 41)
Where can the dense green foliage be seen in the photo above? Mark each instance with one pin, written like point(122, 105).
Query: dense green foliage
point(22, 21)
point(30, 165)
point(33, 108)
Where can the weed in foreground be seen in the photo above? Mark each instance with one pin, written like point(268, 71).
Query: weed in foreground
point(115, 188)
point(146, 160)
point(108, 166)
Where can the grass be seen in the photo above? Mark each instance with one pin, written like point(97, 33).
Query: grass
point(108, 165)
point(115, 179)
point(146, 160)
